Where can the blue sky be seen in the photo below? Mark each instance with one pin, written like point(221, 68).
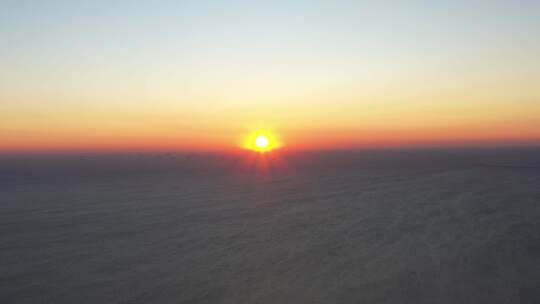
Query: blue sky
point(271, 61)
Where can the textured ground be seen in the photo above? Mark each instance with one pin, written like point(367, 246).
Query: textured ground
point(340, 227)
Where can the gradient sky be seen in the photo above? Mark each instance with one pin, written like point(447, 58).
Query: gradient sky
point(322, 74)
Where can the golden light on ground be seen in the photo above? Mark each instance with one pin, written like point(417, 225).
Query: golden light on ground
point(261, 141)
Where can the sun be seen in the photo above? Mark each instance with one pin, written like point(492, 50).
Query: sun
point(261, 141)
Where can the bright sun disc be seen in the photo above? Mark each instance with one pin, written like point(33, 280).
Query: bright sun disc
point(261, 141)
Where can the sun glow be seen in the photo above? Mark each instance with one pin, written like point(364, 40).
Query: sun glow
point(261, 141)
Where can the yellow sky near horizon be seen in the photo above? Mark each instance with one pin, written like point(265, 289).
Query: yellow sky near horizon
point(192, 76)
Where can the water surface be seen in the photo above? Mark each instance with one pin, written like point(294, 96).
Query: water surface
point(426, 226)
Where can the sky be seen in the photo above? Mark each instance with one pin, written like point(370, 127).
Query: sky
point(200, 75)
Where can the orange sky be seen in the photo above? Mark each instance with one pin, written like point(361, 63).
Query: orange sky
point(203, 76)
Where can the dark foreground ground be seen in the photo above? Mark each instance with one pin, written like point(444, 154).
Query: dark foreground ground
point(431, 226)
